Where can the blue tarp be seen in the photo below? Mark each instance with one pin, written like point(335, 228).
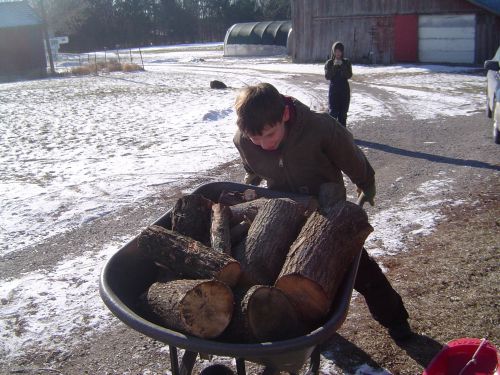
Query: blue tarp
point(491, 5)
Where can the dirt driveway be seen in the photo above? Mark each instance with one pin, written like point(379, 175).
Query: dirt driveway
point(437, 207)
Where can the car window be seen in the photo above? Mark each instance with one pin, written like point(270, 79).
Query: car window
point(497, 55)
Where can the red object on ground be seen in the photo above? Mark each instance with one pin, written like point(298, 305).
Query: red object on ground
point(465, 356)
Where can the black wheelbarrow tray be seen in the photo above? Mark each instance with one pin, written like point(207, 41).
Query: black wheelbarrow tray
point(126, 276)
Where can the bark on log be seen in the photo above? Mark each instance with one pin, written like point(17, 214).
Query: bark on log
point(263, 313)
point(264, 250)
point(230, 198)
point(220, 231)
point(320, 256)
point(191, 217)
point(186, 257)
point(201, 308)
point(246, 211)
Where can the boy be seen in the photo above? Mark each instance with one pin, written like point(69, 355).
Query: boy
point(294, 149)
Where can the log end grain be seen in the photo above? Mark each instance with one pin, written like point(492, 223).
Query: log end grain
point(207, 309)
point(271, 315)
point(308, 297)
point(201, 308)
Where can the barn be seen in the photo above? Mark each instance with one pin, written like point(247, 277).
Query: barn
point(397, 31)
point(22, 52)
point(257, 38)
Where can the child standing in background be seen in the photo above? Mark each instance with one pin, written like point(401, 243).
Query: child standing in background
point(338, 70)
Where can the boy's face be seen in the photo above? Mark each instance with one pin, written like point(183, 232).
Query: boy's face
point(272, 134)
point(338, 54)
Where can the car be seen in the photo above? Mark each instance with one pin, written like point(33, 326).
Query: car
point(493, 93)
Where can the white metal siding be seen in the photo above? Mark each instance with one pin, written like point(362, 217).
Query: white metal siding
point(447, 38)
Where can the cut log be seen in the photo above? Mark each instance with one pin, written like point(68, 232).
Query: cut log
point(201, 308)
point(246, 211)
point(263, 313)
point(230, 198)
point(191, 217)
point(270, 316)
point(320, 256)
point(186, 257)
point(220, 231)
point(331, 193)
point(239, 231)
point(264, 250)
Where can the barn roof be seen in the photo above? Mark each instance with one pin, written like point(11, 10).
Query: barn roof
point(266, 33)
point(491, 5)
point(17, 13)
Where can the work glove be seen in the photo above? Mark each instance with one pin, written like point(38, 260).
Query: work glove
point(367, 195)
point(337, 62)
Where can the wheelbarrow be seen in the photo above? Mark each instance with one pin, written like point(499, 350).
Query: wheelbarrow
point(127, 275)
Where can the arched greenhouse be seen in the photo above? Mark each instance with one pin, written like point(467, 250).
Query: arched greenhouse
point(257, 38)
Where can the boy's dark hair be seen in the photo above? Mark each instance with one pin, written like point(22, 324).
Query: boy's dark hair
point(258, 106)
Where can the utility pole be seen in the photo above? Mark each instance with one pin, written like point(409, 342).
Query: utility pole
point(46, 37)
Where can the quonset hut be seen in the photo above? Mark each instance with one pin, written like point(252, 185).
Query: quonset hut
point(22, 52)
point(257, 38)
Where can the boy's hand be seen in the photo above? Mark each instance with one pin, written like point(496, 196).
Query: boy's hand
point(337, 62)
point(367, 195)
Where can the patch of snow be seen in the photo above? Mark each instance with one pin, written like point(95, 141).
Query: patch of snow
point(416, 215)
point(48, 308)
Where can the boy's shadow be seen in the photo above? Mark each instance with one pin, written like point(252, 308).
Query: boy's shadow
point(349, 357)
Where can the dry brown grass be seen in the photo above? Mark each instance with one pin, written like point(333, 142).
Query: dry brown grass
point(108, 66)
point(131, 67)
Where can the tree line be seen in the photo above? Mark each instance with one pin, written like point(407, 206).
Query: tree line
point(99, 24)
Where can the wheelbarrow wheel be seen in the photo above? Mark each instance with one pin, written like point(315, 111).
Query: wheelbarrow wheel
point(217, 369)
point(312, 370)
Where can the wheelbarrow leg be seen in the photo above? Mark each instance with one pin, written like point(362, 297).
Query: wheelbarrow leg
point(315, 361)
point(187, 364)
point(240, 366)
point(174, 362)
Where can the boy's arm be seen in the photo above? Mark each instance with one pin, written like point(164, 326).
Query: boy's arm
point(250, 177)
point(346, 155)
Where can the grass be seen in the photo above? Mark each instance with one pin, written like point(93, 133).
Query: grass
point(105, 67)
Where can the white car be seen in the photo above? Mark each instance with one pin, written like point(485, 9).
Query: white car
point(493, 93)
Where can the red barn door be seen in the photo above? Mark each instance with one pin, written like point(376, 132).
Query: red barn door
point(406, 38)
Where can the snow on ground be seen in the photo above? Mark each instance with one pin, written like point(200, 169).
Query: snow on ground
point(44, 309)
point(74, 149)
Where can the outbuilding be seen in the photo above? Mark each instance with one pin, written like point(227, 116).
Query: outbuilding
point(22, 52)
point(392, 31)
point(257, 38)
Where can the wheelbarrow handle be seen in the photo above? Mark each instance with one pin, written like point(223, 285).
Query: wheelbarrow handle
point(361, 200)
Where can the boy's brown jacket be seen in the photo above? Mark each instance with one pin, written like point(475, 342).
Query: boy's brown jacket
point(316, 149)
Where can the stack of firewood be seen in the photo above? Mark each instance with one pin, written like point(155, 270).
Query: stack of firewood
point(252, 269)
